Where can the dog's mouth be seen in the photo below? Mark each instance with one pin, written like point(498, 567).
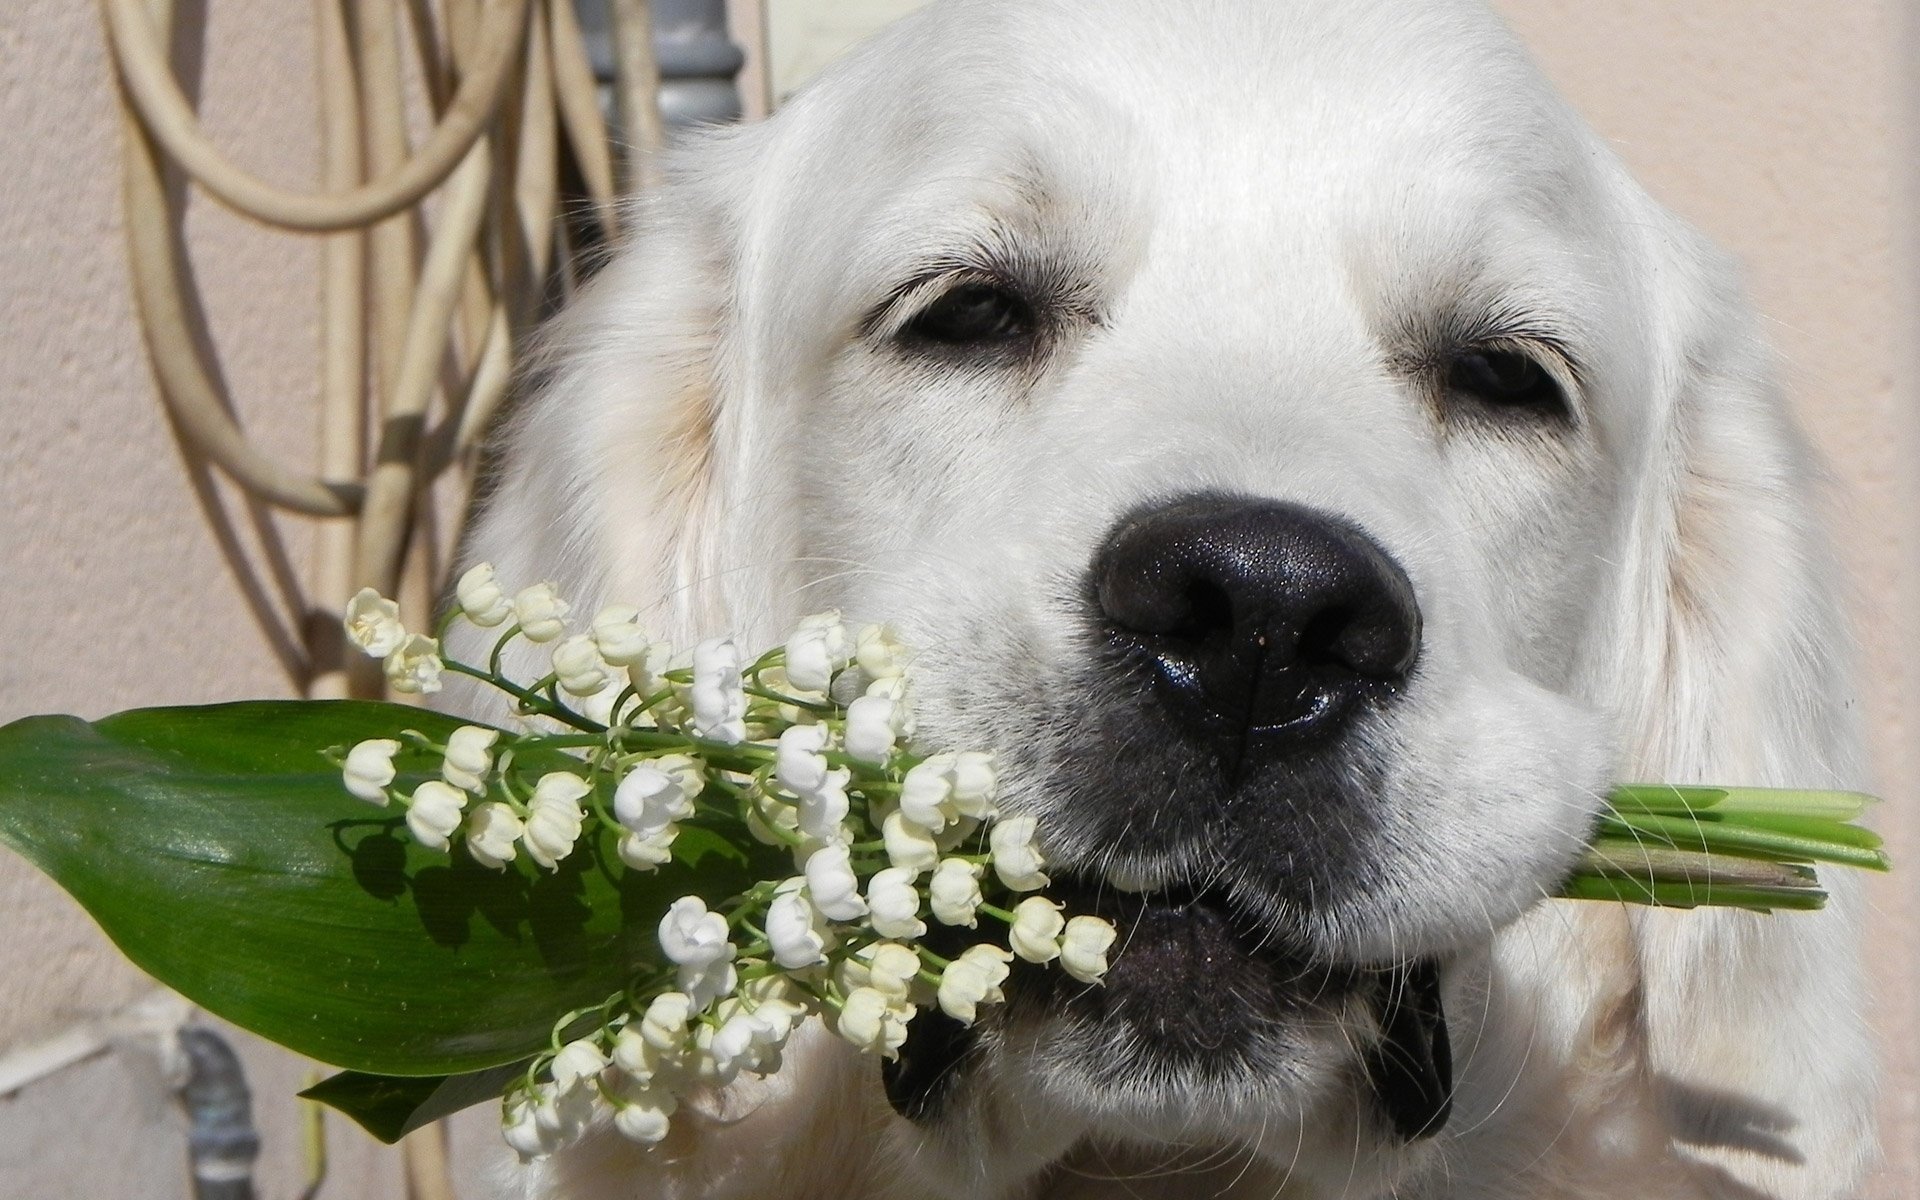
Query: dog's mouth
point(1198, 980)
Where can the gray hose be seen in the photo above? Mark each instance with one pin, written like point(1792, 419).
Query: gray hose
point(221, 1140)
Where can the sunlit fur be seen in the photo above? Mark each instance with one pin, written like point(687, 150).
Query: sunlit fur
point(1250, 227)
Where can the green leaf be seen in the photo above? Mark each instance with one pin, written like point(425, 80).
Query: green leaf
point(390, 1107)
point(219, 850)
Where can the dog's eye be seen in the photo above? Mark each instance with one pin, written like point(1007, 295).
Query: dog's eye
point(973, 314)
point(1505, 379)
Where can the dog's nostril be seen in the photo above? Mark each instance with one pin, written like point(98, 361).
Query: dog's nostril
point(1256, 616)
point(1209, 615)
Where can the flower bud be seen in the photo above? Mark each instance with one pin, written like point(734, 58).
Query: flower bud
point(894, 904)
point(795, 941)
point(491, 832)
point(832, 885)
point(908, 845)
point(1083, 948)
point(414, 666)
point(874, 1021)
point(373, 623)
point(1036, 929)
point(619, 638)
point(576, 662)
point(469, 757)
point(819, 647)
point(954, 892)
point(880, 654)
point(540, 612)
point(1016, 860)
point(480, 597)
point(717, 697)
point(433, 813)
point(369, 769)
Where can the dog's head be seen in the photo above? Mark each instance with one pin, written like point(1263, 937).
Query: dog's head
point(1273, 423)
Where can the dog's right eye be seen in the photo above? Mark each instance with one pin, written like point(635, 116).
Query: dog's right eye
point(973, 314)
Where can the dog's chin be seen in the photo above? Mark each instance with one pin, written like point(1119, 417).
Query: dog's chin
point(1209, 1020)
point(1200, 985)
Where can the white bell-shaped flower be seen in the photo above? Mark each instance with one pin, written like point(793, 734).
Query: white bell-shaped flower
point(369, 769)
point(540, 612)
point(576, 663)
point(1035, 935)
point(528, 1138)
point(832, 885)
point(664, 1024)
point(1083, 948)
point(645, 1118)
point(1016, 859)
point(874, 1021)
point(894, 904)
point(798, 764)
point(414, 666)
point(890, 968)
point(880, 652)
point(954, 892)
point(433, 813)
point(480, 597)
point(649, 852)
point(926, 794)
point(579, 1062)
point(469, 757)
point(691, 936)
point(908, 845)
point(373, 623)
point(718, 698)
point(971, 980)
point(619, 638)
point(870, 731)
point(976, 785)
point(554, 817)
point(792, 933)
point(819, 646)
point(492, 830)
point(823, 809)
point(658, 792)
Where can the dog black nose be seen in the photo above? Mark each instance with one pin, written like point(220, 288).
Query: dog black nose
point(1258, 618)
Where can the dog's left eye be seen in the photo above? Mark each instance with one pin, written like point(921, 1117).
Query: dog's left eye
point(973, 314)
point(1505, 379)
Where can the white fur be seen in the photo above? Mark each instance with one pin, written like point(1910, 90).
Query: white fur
point(1259, 199)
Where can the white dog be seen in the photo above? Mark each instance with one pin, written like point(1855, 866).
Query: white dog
point(1299, 448)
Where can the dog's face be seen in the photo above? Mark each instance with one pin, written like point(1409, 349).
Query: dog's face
point(1266, 421)
point(1218, 405)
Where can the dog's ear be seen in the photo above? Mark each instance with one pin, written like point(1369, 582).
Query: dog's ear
point(617, 476)
point(1734, 668)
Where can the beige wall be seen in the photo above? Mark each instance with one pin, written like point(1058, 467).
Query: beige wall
point(133, 579)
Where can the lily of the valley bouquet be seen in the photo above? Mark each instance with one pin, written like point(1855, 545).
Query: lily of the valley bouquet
point(642, 883)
